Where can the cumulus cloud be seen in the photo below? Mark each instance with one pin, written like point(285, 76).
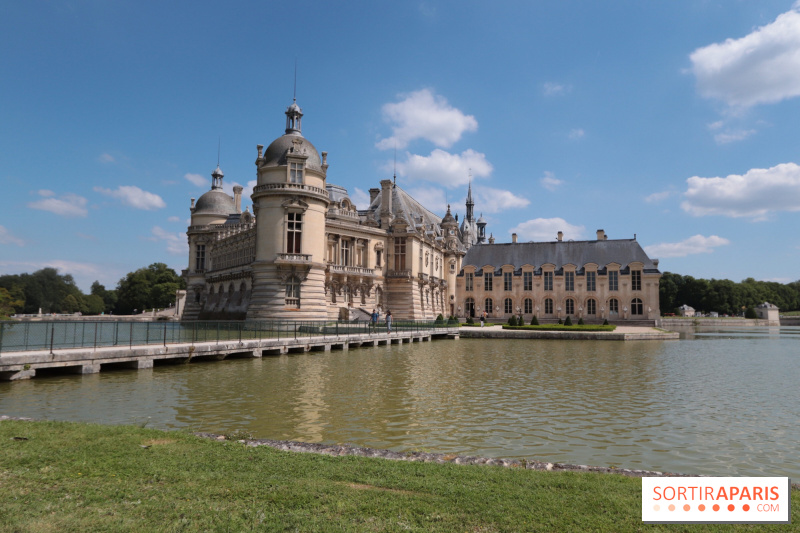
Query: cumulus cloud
point(197, 180)
point(68, 205)
point(753, 194)
point(432, 198)
point(424, 115)
point(106, 158)
point(174, 219)
point(697, 244)
point(760, 68)
point(6, 237)
point(496, 200)
point(360, 198)
point(576, 134)
point(546, 229)
point(444, 168)
point(729, 136)
point(176, 242)
point(549, 181)
point(553, 89)
point(133, 196)
point(657, 197)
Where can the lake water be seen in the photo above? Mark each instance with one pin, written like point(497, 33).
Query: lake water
point(720, 402)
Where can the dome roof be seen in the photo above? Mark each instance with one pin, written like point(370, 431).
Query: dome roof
point(448, 219)
point(214, 202)
point(337, 193)
point(481, 220)
point(276, 152)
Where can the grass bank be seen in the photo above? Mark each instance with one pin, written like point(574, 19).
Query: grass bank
point(58, 476)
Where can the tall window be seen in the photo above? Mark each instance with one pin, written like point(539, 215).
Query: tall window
point(528, 306)
point(569, 281)
point(345, 253)
point(200, 257)
point(488, 305)
point(468, 280)
point(507, 276)
point(636, 280)
point(400, 253)
point(613, 306)
point(591, 281)
point(548, 306)
point(548, 281)
point(613, 280)
point(296, 172)
point(570, 305)
point(488, 278)
point(591, 307)
point(636, 307)
point(294, 230)
point(527, 281)
point(378, 255)
point(469, 307)
point(508, 306)
point(293, 292)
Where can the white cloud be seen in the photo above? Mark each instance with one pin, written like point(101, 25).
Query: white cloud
point(761, 67)
point(546, 229)
point(174, 219)
point(424, 115)
point(657, 197)
point(197, 179)
point(360, 198)
point(68, 205)
point(491, 200)
point(135, 197)
point(729, 136)
point(444, 168)
point(552, 89)
point(106, 158)
point(6, 237)
point(697, 244)
point(576, 134)
point(549, 181)
point(716, 125)
point(753, 194)
point(431, 198)
point(176, 242)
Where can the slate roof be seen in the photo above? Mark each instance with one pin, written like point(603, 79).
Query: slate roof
point(404, 206)
point(560, 253)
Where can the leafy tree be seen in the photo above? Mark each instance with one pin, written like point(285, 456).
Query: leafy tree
point(9, 303)
point(93, 305)
point(154, 286)
point(70, 304)
point(109, 297)
point(750, 313)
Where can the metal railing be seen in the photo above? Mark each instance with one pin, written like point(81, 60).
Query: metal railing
point(60, 335)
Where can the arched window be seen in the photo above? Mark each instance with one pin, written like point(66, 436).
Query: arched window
point(636, 306)
point(548, 306)
point(508, 306)
point(293, 292)
point(570, 305)
point(613, 307)
point(591, 306)
point(528, 306)
point(488, 305)
point(469, 307)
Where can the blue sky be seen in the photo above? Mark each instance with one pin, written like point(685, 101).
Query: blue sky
point(675, 121)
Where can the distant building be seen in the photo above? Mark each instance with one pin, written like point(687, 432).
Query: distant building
point(768, 311)
point(686, 310)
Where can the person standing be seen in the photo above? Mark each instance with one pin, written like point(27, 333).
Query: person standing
point(374, 319)
point(483, 318)
point(389, 321)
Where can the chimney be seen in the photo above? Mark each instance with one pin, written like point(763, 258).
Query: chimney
point(601, 235)
point(514, 238)
point(386, 202)
point(191, 207)
point(560, 236)
point(373, 193)
point(491, 239)
point(237, 198)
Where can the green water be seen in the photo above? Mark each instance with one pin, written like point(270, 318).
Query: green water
point(720, 402)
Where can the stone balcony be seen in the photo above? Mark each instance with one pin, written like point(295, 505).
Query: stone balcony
point(351, 270)
point(292, 259)
point(291, 188)
point(399, 274)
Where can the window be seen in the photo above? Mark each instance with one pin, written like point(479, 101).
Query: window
point(487, 280)
point(548, 281)
point(528, 306)
point(295, 172)
point(200, 258)
point(400, 253)
point(570, 304)
point(468, 281)
point(507, 276)
point(548, 306)
point(527, 281)
point(508, 306)
point(469, 307)
point(613, 280)
point(452, 267)
point(294, 230)
point(488, 305)
point(378, 255)
point(591, 306)
point(636, 306)
point(613, 306)
point(636, 280)
point(569, 281)
point(591, 281)
point(344, 255)
point(293, 292)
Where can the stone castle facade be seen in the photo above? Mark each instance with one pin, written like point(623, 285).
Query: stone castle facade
point(308, 253)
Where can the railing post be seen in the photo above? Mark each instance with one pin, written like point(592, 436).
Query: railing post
point(165, 333)
point(116, 333)
point(95, 336)
point(130, 337)
point(52, 334)
point(217, 332)
point(2, 327)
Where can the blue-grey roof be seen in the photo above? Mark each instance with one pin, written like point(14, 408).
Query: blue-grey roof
point(276, 152)
point(337, 193)
point(214, 202)
point(560, 253)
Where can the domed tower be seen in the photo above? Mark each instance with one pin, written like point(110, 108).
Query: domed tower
point(290, 202)
point(481, 223)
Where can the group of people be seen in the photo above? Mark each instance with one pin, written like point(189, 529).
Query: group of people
point(374, 320)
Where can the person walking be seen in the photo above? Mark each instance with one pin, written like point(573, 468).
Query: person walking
point(389, 321)
point(374, 319)
point(483, 318)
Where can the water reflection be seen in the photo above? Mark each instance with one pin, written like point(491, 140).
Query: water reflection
point(717, 404)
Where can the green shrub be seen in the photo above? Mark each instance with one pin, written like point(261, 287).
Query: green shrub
point(568, 321)
point(439, 319)
point(750, 313)
point(560, 321)
point(512, 320)
point(452, 321)
point(534, 321)
point(580, 321)
point(605, 322)
point(470, 321)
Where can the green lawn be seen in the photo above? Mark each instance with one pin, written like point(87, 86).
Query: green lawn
point(77, 477)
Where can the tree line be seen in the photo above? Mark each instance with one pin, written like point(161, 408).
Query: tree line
point(725, 296)
point(146, 288)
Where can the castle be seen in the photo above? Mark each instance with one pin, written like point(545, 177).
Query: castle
point(308, 253)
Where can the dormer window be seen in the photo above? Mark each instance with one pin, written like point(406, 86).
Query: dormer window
point(295, 172)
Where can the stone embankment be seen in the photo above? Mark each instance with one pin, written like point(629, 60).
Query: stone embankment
point(622, 333)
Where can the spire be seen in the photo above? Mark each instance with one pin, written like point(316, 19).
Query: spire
point(470, 203)
point(293, 113)
point(216, 178)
